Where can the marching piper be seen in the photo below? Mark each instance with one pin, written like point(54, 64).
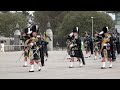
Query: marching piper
point(75, 48)
point(106, 47)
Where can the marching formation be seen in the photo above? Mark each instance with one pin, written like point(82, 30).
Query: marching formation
point(104, 45)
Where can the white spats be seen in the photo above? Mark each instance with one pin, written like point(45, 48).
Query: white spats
point(110, 65)
point(71, 65)
point(80, 64)
point(103, 64)
point(45, 58)
point(25, 63)
point(68, 57)
point(32, 68)
point(39, 67)
point(86, 56)
point(89, 55)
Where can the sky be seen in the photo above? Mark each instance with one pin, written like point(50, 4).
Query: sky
point(113, 16)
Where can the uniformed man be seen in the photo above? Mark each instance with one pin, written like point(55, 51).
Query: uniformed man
point(75, 48)
point(106, 47)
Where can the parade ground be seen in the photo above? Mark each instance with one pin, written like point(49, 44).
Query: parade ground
point(57, 67)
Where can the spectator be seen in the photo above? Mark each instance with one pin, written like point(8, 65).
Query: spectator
point(2, 46)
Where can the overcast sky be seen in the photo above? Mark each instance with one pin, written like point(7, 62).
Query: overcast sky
point(113, 16)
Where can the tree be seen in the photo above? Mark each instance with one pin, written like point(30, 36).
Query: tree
point(42, 18)
point(54, 17)
point(26, 13)
point(8, 23)
point(82, 19)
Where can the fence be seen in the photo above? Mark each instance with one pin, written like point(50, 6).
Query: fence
point(59, 44)
point(9, 48)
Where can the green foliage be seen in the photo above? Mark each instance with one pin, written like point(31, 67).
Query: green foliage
point(8, 23)
point(62, 22)
point(42, 18)
point(54, 17)
point(83, 20)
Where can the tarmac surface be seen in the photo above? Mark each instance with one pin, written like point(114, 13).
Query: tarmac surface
point(56, 67)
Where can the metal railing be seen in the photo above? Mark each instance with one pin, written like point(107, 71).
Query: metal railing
point(8, 48)
point(59, 44)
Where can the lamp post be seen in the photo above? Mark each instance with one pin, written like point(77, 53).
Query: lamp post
point(92, 27)
point(10, 39)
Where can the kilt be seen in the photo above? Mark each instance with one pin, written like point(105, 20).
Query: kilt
point(76, 52)
point(109, 54)
point(34, 54)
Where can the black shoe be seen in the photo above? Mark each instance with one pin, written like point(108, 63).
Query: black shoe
point(102, 67)
point(43, 64)
point(24, 66)
point(31, 71)
point(39, 69)
point(113, 60)
point(110, 67)
point(84, 64)
point(71, 67)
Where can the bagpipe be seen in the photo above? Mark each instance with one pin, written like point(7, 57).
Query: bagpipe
point(105, 37)
point(71, 41)
point(46, 36)
point(29, 37)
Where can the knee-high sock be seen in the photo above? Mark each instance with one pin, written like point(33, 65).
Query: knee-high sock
point(80, 63)
point(32, 67)
point(25, 63)
point(110, 64)
point(39, 66)
point(103, 64)
point(71, 64)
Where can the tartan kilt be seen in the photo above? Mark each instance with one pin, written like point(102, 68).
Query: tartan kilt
point(109, 54)
point(75, 52)
point(34, 55)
